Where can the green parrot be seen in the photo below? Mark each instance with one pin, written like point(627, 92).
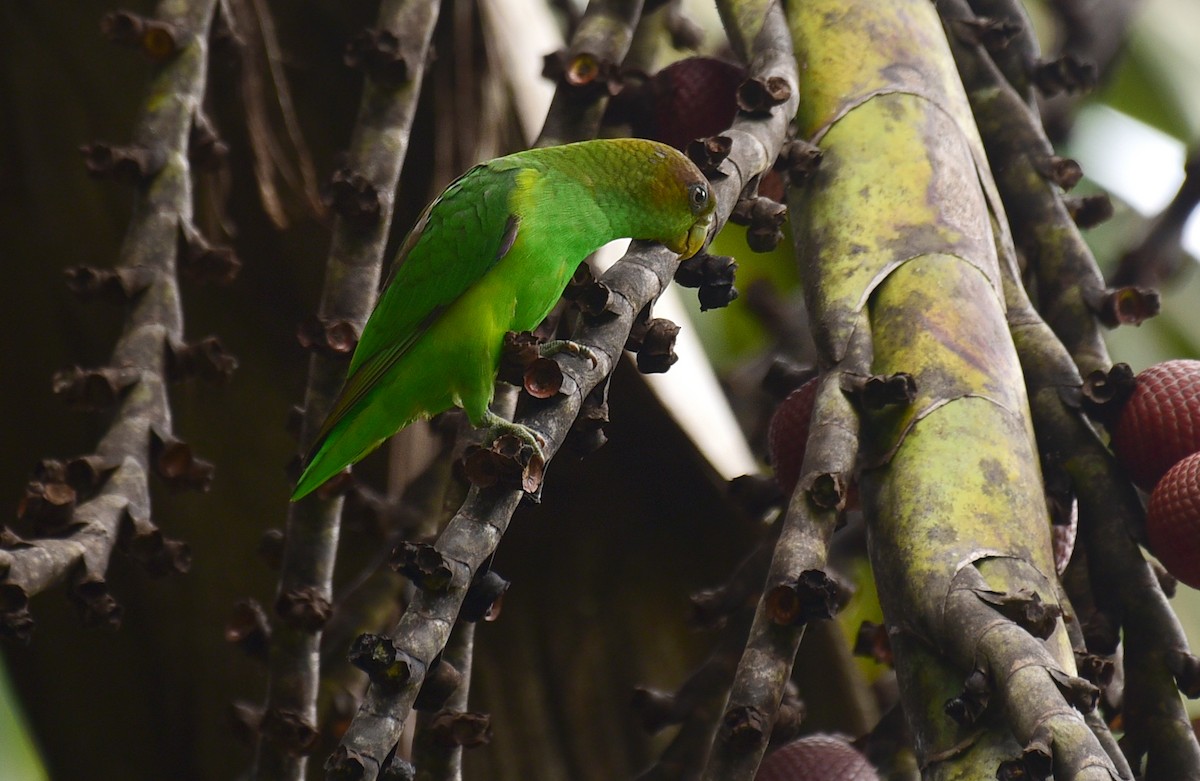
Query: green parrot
point(492, 254)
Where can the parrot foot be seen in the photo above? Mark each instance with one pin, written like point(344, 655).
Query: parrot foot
point(513, 455)
point(567, 346)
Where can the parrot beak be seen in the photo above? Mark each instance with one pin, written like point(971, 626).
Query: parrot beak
point(690, 243)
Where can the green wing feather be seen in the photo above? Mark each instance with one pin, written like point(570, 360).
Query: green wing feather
point(458, 238)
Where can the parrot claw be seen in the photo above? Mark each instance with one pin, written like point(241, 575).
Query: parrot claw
point(567, 346)
point(498, 427)
point(514, 454)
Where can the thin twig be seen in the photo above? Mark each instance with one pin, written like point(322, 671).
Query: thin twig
point(303, 599)
point(436, 757)
point(125, 454)
point(1069, 285)
point(1160, 255)
point(589, 69)
point(283, 97)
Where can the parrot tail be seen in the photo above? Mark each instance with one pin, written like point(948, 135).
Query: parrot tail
point(332, 454)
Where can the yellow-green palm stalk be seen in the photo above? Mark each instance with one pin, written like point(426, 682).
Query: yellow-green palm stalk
point(896, 238)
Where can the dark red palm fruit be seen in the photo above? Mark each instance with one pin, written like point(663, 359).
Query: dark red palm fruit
point(1173, 520)
point(695, 98)
point(816, 758)
point(1160, 422)
point(688, 99)
point(787, 435)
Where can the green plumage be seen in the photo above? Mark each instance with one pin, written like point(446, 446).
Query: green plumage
point(493, 254)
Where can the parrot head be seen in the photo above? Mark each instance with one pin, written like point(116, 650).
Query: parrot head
point(700, 207)
point(659, 191)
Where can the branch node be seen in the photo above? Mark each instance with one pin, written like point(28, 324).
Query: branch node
point(993, 34)
point(114, 286)
point(333, 337)
point(543, 379)
point(354, 198)
point(884, 390)
point(813, 595)
point(1097, 669)
point(966, 708)
point(789, 720)
point(1079, 693)
point(799, 159)
point(345, 764)
point(205, 147)
point(1186, 669)
point(1123, 305)
point(457, 728)
point(304, 608)
point(48, 505)
point(873, 642)
point(290, 730)
point(507, 461)
point(205, 358)
point(764, 218)
point(713, 275)
point(158, 554)
point(422, 564)
point(1090, 210)
point(249, 629)
point(756, 95)
point(484, 598)
point(386, 666)
point(586, 435)
point(176, 465)
point(1063, 171)
point(1167, 582)
point(132, 164)
point(156, 39)
point(1036, 762)
point(1104, 393)
point(686, 34)
point(397, 768)
point(378, 53)
point(93, 390)
point(205, 263)
point(828, 490)
point(520, 349)
point(584, 72)
point(708, 154)
point(655, 345)
point(595, 301)
point(97, 606)
point(1066, 74)
point(439, 683)
point(1026, 609)
point(745, 727)
point(16, 624)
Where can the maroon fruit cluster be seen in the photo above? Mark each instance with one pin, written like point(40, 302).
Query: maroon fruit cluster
point(1173, 520)
point(787, 436)
point(1157, 441)
point(816, 758)
point(1160, 423)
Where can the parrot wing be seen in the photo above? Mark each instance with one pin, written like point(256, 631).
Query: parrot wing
point(458, 238)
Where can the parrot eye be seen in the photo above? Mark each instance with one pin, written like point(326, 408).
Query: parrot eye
point(698, 194)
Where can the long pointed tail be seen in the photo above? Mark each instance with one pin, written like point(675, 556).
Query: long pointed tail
point(338, 450)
